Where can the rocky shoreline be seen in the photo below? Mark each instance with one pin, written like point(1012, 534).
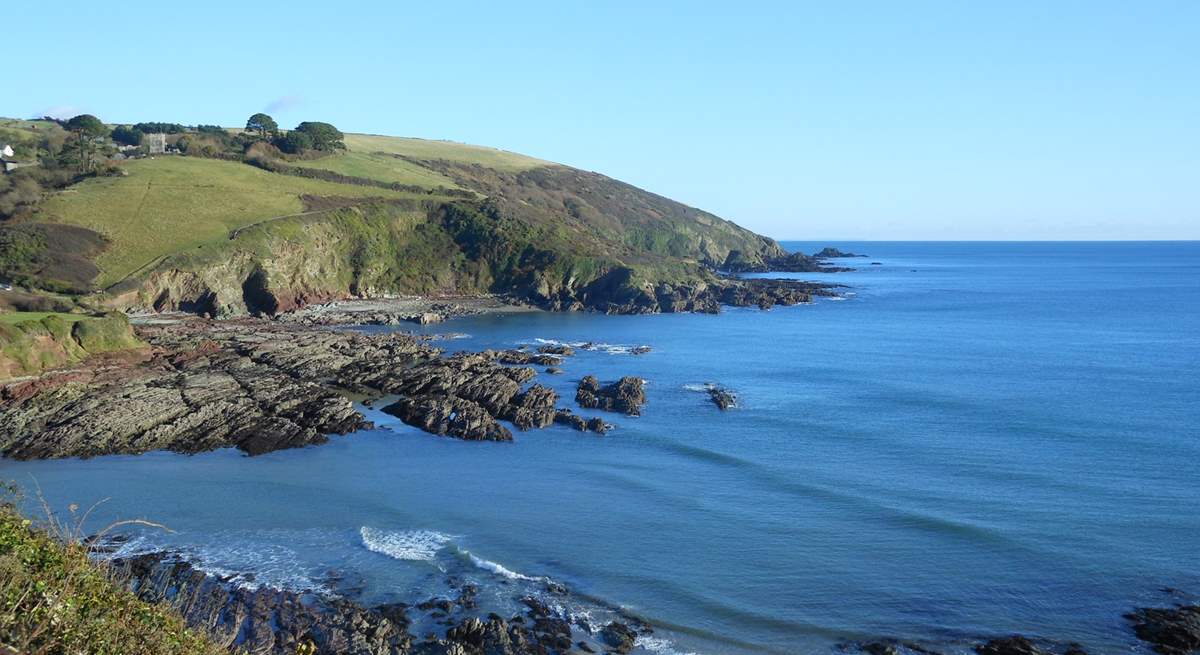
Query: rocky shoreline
point(272, 621)
point(262, 385)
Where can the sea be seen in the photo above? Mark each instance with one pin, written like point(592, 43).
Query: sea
point(970, 440)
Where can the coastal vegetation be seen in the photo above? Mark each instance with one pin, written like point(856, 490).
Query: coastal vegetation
point(31, 342)
point(54, 599)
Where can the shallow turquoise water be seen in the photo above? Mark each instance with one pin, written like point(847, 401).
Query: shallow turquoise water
point(982, 439)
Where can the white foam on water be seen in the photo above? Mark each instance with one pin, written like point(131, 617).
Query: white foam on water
point(696, 387)
point(658, 645)
point(412, 545)
point(499, 569)
point(610, 348)
point(246, 566)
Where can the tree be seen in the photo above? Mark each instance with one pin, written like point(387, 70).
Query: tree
point(88, 130)
point(126, 136)
point(294, 142)
point(324, 136)
point(156, 127)
point(263, 124)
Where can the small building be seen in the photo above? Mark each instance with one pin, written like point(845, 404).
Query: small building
point(156, 143)
point(7, 161)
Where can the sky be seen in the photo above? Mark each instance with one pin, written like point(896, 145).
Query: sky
point(845, 120)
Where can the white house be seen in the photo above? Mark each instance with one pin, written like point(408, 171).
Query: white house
point(6, 151)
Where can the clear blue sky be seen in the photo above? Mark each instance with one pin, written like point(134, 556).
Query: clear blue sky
point(838, 120)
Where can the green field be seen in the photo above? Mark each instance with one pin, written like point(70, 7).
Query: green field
point(169, 204)
point(448, 150)
point(376, 166)
point(20, 317)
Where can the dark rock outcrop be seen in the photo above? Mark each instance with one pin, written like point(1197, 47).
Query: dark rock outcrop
point(619, 637)
point(261, 386)
point(189, 401)
point(264, 621)
point(449, 416)
point(1172, 631)
point(626, 395)
point(533, 408)
point(829, 252)
point(570, 419)
point(1014, 645)
point(557, 349)
point(720, 396)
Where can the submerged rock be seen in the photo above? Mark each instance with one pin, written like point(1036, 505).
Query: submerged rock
point(721, 397)
point(626, 395)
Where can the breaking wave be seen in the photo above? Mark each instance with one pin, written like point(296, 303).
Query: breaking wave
point(412, 545)
point(610, 348)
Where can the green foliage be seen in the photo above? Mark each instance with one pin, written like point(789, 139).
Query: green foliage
point(105, 334)
point(18, 191)
point(54, 599)
point(294, 142)
point(31, 342)
point(126, 136)
point(262, 124)
point(159, 128)
point(212, 129)
point(323, 135)
point(87, 125)
point(83, 149)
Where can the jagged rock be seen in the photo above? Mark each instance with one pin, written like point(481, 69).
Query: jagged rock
point(533, 408)
point(618, 637)
point(263, 621)
point(569, 418)
point(1172, 631)
point(639, 350)
point(557, 349)
point(627, 395)
point(449, 415)
point(554, 370)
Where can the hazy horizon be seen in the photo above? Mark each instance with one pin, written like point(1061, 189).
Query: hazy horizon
point(873, 121)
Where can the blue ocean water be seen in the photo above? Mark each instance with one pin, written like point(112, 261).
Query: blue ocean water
point(979, 439)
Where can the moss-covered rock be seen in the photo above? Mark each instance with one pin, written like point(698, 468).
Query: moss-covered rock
point(44, 342)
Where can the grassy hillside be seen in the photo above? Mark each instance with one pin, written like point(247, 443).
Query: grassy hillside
point(443, 150)
point(53, 599)
point(173, 204)
point(386, 215)
point(380, 166)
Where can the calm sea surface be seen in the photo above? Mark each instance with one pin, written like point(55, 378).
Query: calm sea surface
point(979, 439)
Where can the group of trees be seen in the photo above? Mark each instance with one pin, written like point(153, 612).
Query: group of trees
point(309, 135)
point(84, 142)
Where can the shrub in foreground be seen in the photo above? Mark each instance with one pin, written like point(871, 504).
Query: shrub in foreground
point(54, 599)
